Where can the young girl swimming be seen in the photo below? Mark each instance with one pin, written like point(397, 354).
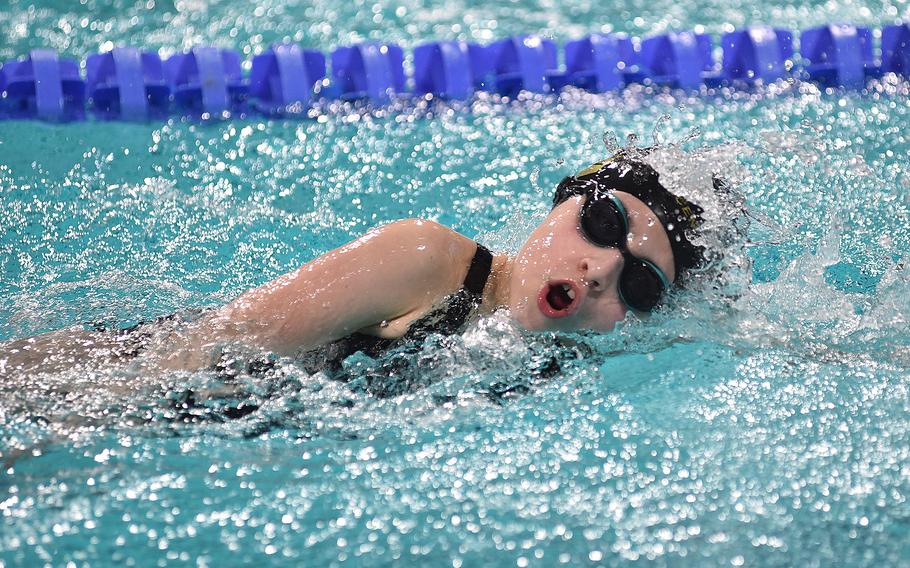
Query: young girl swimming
point(616, 240)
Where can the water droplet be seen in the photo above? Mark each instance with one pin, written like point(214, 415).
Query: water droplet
point(384, 323)
point(655, 134)
point(692, 135)
point(611, 141)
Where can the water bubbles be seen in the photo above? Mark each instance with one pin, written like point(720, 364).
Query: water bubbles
point(691, 135)
point(662, 121)
point(611, 142)
point(534, 177)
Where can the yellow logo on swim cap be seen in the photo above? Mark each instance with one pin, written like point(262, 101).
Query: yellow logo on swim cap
point(594, 168)
point(686, 209)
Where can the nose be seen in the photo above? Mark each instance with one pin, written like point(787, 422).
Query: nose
point(601, 271)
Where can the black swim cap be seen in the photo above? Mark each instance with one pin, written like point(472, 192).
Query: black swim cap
point(627, 173)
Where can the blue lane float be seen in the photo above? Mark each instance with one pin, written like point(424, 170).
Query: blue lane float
point(520, 63)
point(678, 59)
point(838, 55)
point(601, 62)
point(127, 84)
point(370, 71)
point(43, 86)
point(207, 81)
point(758, 53)
point(443, 69)
point(283, 79)
point(896, 49)
point(481, 67)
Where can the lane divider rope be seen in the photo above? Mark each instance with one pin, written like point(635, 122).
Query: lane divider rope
point(131, 84)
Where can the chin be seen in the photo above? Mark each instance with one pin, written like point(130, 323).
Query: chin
point(531, 321)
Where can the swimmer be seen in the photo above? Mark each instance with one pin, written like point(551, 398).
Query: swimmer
point(615, 241)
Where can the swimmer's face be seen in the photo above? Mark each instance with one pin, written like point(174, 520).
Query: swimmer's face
point(558, 255)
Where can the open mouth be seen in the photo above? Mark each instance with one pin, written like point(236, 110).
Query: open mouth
point(558, 299)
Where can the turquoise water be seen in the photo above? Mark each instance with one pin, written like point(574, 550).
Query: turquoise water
point(771, 429)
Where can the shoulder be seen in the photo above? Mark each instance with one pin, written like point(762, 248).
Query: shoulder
point(423, 256)
point(422, 229)
point(425, 241)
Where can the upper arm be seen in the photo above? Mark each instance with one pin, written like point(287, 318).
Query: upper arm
point(388, 273)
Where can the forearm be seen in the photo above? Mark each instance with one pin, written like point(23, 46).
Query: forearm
point(297, 311)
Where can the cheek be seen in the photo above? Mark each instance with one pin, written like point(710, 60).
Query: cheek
point(523, 301)
point(549, 250)
point(528, 274)
point(532, 262)
point(537, 243)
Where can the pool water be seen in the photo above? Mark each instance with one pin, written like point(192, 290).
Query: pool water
point(771, 427)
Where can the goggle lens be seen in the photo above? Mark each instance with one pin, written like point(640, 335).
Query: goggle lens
point(641, 284)
point(604, 223)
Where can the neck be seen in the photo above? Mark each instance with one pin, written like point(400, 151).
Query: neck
point(496, 292)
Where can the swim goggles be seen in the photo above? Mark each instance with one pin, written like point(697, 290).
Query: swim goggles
point(605, 223)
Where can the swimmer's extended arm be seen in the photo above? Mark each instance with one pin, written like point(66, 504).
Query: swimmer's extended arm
point(393, 271)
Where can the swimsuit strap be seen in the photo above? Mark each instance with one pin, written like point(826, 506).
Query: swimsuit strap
point(448, 318)
point(479, 272)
